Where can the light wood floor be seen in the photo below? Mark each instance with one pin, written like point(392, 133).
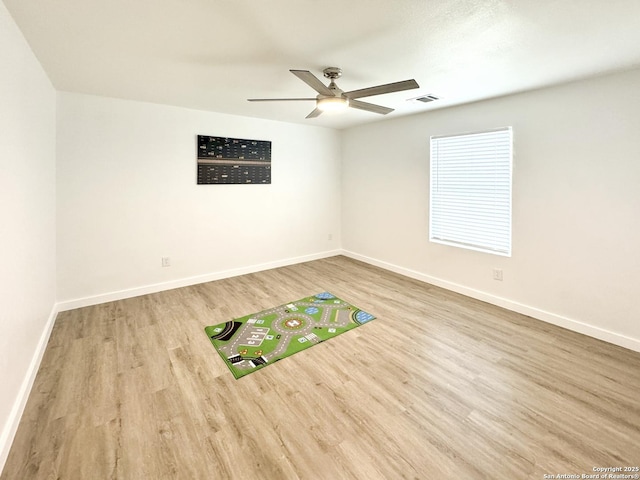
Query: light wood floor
point(440, 386)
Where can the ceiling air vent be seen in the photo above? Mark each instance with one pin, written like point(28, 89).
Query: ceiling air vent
point(427, 98)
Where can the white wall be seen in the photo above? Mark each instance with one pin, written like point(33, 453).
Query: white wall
point(127, 196)
point(576, 204)
point(27, 221)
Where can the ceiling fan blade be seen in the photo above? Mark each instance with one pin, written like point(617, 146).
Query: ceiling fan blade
point(313, 81)
point(316, 113)
point(380, 89)
point(369, 107)
point(278, 99)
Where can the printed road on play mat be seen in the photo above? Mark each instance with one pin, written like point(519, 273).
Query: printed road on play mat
point(254, 341)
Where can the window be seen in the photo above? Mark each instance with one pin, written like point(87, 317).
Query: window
point(471, 190)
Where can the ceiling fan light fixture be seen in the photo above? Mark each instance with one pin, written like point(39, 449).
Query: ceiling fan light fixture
point(332, 104)
point(330, 98)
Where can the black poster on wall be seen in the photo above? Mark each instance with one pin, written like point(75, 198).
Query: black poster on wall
point(233, 160)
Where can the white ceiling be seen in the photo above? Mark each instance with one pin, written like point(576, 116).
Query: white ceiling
point(214, 54)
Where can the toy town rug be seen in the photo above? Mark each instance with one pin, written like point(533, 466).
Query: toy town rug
point(255, 341)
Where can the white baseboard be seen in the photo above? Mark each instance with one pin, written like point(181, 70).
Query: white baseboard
point(549, 317)
point(11, 427)
point(185, 282)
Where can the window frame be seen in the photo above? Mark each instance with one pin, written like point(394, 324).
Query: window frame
point(495, 225)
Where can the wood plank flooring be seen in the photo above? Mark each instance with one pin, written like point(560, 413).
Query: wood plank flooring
point(133, 389)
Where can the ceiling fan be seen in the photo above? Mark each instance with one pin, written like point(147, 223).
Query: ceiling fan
point(332, 98)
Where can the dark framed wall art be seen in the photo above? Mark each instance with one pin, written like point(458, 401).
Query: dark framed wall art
point(233, 160)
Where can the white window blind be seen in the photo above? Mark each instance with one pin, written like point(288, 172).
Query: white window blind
point(471, 190)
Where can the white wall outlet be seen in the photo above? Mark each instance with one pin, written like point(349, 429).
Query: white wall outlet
point(330, 236)
point(166, 262)
point(497, 274)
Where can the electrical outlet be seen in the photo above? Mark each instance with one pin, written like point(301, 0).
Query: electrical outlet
point(330, 236)
point(497, 274)
point(166, 262)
